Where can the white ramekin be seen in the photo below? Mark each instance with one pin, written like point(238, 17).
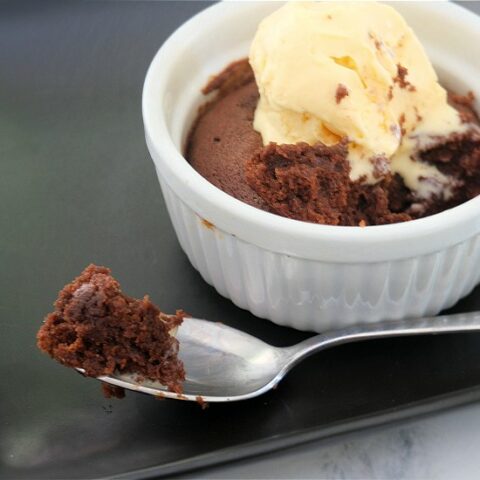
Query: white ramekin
point(311, 277)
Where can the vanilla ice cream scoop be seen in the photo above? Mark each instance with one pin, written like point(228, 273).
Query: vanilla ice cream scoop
point(327, 70)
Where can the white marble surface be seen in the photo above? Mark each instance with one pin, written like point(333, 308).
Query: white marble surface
point(442, 446)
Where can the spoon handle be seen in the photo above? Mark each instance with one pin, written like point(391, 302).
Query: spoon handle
point(461, 322)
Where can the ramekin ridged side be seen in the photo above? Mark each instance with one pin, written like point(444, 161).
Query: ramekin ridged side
point(319, 296)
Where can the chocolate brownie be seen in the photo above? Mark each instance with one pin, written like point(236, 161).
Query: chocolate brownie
point(223, 137)
point(98, 328)
point(310, 182)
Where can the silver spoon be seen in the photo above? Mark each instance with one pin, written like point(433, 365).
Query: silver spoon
point(224, 364)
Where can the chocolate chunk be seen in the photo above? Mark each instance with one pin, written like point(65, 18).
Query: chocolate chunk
point(401, 78)
point(341, 93)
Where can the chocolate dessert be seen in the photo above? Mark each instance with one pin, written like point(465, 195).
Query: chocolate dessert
point(101, 330)
point(368, 137)
point(223, 138)
point(311, 183)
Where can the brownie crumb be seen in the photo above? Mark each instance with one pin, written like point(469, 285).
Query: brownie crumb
point(341, 93)
point(98, 328)
point(390, 92)
point(202, 402)
point(418, 117)
point(112, 391)
point(466, 100)
point(401, 122)
point(401, 80)
point(464, 105)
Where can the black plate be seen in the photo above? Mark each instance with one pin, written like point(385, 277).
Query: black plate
point(77, 186)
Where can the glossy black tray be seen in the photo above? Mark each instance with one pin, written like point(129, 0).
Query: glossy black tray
point(77, 186)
